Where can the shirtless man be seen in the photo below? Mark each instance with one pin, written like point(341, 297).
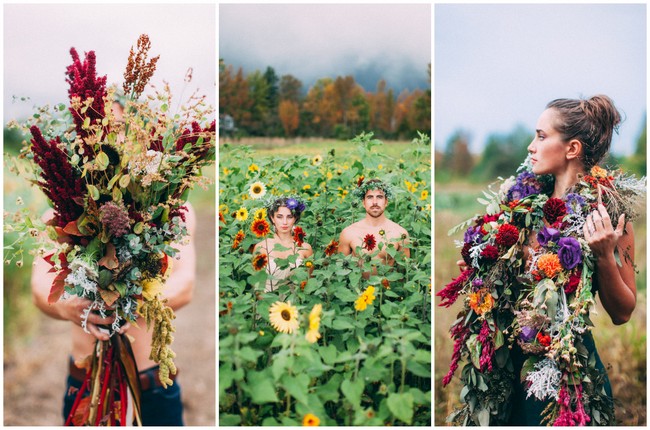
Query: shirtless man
point(160, 406)
point(374, 195)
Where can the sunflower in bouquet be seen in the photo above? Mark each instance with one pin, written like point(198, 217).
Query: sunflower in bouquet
point(117, 171)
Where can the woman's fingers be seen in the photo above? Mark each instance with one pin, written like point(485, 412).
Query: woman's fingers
point(607, 222)
point(621, 225)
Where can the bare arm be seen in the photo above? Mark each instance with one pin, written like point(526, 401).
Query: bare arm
point(617, 285)
point(344, 243)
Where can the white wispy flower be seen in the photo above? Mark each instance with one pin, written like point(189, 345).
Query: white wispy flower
point(545, 380)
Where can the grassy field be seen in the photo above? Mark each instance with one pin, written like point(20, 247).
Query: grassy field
point(265, 147)
point(623, 348)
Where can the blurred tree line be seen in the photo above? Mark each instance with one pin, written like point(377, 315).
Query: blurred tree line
point(265, 104)
point(504, 152)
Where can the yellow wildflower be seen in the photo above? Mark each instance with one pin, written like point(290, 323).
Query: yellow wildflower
point(366, 298)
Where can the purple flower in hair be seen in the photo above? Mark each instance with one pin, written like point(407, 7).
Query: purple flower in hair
point(301, 207)
point(292, 204)
point(548, 234)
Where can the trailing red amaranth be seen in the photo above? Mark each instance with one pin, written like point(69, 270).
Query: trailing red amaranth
point(450, 293)
point(485, 338)
point(60, 182)
point(458, 332)
point(192, 136)
point(85, 84)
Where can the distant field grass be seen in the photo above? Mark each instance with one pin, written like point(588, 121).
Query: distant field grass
point(621, 347)
point(313, 146)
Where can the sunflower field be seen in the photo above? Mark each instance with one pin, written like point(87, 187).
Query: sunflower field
point(329, 346)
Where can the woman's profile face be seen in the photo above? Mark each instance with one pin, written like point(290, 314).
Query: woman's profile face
point(283, 219)
point(548, 149)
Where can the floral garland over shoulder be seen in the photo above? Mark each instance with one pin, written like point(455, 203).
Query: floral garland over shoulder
point(536, 296)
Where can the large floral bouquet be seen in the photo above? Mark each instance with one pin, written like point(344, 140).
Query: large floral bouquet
point(536, 295)
point(117, 184)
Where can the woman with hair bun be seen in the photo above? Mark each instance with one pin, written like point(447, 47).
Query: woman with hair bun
point(288, 239)
point(554, 238)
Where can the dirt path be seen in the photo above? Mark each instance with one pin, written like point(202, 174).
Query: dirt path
point(34, 374)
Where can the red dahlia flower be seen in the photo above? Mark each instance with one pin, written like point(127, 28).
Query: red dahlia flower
point(554, 209)
point(490, 253)
point(507, 235)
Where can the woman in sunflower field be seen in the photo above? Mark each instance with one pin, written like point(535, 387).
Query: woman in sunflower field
point(287, 242)
point(552, 237)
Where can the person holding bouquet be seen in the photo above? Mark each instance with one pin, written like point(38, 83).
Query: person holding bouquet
point(160, 406)
point(552, 238)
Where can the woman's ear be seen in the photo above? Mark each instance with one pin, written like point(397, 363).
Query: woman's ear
point(574, 149)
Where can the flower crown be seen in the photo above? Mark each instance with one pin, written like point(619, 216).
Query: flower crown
point(293, 203)
point(373, 184)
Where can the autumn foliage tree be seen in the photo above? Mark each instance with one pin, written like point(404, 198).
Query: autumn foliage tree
point(263, 104)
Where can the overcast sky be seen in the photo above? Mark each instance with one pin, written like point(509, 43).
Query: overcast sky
point(313, 41)
point(498, 65)
point(38, 38)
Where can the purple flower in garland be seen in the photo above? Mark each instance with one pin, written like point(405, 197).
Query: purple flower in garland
point(548, 234)
point(526, 184)
point(573, 202)
point(570, 253)
point(473, 235)
point(528, 334)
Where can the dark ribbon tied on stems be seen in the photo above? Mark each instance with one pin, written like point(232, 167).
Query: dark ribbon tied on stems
point(110, 393)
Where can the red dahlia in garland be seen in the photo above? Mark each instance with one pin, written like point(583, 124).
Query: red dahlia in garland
point(554, 209)
point(574, 281)
point(507, 235)
point(465, 253)
point(490, 253)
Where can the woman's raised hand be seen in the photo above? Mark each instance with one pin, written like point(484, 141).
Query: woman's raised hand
point(599, 232)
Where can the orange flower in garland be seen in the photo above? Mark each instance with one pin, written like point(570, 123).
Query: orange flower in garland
point(331, 248)
point(310, 420)
point(369, 242)
point(299, 235)
point(549, 264)
point(260, 261)
point(481, 301)
point(260, 228)
point(238, 239)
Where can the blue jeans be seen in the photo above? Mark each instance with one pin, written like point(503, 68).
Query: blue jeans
point(160, 406)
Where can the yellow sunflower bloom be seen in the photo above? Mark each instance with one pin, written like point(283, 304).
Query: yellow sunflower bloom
point(257, 190)
point(253, 168)
point(306, 187)
point(241, 214)
point(314, 323)
point(424, 194)
point(366, 298)
point(284, 317)
point(317, 160)
point(260, 214)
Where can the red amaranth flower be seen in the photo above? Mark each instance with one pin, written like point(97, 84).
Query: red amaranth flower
point(487, 351)
point(459, 333)
point(507, 235)
point(60, 183)
point(567, 417)
point(369, 242)
point(332, 248)
point(490, 253)
point(554, 209)
point(190, 138)
point(85, 84)
point(299, 235)
point(450, 293)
